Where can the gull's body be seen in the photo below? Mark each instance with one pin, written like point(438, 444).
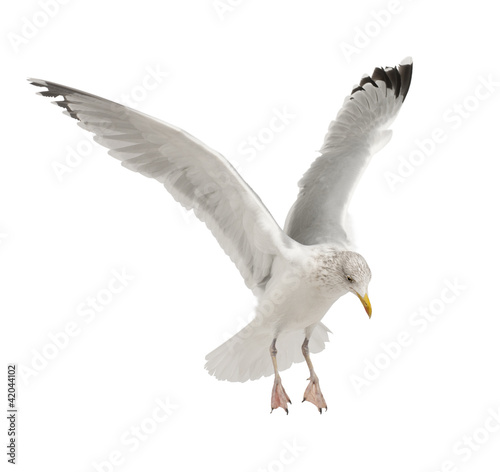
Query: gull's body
point(295, 299)
point(296, 273)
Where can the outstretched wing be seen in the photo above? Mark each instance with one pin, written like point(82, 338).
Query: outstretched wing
point(359, 131)
point(198, 177)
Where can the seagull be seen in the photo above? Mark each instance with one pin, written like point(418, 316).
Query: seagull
point(296, 273)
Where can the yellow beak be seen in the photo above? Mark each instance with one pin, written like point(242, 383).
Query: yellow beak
point(366, 303)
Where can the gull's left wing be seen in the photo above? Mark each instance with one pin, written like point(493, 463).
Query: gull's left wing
point(359, 131)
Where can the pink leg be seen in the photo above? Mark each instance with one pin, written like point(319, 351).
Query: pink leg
point(313, 392)
point(279, 398)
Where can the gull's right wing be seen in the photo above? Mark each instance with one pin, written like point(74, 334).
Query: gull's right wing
point(198, 177)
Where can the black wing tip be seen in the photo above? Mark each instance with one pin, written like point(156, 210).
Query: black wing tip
point(395, 78)
point(405, 70)
point(54, 90)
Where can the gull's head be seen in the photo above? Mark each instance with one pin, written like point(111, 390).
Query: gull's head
point(354, 275)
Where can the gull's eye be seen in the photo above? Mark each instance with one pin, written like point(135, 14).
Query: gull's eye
point(349, 278)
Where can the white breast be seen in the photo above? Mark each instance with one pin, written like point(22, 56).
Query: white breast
point(293, 299)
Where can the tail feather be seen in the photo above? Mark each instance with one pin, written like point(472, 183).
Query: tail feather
point(245, 356)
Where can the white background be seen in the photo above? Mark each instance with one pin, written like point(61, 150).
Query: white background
point(61, 238)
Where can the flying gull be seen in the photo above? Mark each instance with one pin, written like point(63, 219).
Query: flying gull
point(296, 273)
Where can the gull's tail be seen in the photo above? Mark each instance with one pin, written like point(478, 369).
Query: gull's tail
point(246, 356)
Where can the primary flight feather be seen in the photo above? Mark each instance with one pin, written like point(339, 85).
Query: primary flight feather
point(296, 273)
